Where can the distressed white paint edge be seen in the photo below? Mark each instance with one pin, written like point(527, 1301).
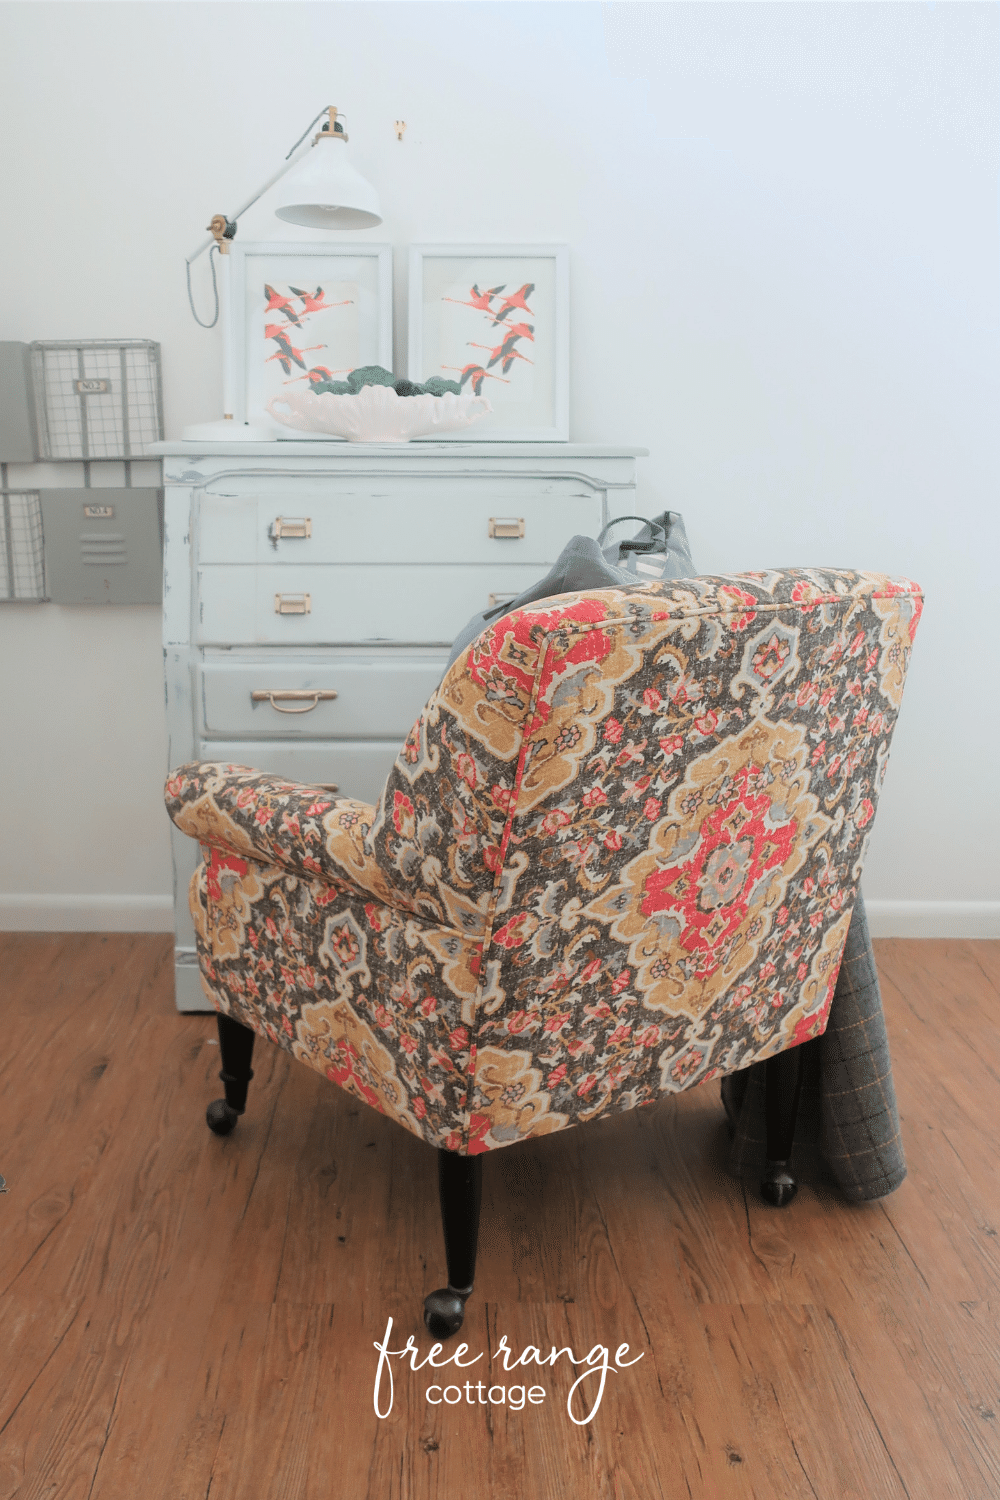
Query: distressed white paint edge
point(120, 913)
point(933, 919)
point(93, 912)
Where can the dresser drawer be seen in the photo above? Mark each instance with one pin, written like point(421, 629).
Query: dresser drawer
point(357, 768)
point(473, 525)
point(421, 604)
point(373, 697)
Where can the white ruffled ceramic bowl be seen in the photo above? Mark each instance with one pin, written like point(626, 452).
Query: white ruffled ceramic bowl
point(376, 414)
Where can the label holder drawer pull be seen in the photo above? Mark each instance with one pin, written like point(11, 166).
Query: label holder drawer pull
point(283, 527)
point(293, 604)
point(307, 698)
point(506, 527)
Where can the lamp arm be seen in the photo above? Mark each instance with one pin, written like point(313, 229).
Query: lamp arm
point(205, 244)
point(261, 190)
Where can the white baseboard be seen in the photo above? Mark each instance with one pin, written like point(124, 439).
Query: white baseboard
point(933, 919)
point(115, 913)
point(89, 913)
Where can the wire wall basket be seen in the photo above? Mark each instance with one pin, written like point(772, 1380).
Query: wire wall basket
point(97, 398)
point(22, 568)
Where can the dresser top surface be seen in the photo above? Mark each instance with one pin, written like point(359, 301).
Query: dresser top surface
point(285, 448)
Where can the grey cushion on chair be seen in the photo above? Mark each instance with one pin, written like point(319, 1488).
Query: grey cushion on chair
point(848, 1116)
point(582, 565)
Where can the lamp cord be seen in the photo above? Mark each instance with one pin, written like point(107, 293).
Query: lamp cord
point(215, 289)
point(305, 132)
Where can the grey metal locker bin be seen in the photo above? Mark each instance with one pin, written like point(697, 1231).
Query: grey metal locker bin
point(97, 398)
point(103, 546)
point(18, 433)
point(22, 569)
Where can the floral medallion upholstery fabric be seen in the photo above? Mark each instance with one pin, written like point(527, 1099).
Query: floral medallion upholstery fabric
point(617, 856)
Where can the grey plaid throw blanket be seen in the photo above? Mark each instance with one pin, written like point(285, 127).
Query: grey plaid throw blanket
point(847, 1121)
point(847, 1116)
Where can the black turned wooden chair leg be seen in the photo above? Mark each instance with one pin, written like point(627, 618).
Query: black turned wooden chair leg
point(236, 1046)
point(460, 1184)
point(783, 1084)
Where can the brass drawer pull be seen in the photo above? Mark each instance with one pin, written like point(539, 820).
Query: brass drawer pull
point(288, 526)
point(496, 599)
point(307, 697)
point(292, 604)
point(507, 526)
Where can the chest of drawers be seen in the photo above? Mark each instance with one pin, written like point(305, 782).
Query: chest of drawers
point(312, 591)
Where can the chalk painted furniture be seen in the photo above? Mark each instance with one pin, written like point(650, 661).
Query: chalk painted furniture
point(312, 590)
point(616, 856)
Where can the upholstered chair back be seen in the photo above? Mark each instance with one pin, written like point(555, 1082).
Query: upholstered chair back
point(616, 856)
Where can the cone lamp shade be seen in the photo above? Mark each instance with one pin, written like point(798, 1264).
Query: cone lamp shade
point(324, 191)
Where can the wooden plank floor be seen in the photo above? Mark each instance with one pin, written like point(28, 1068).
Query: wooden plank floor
point(182, 1316)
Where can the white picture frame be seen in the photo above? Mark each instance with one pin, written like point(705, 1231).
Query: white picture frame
point(529, 390)
point(350, 325)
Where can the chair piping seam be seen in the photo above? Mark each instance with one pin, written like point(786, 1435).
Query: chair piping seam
point(529, 714)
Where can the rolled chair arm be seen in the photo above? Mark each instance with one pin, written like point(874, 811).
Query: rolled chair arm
point(306, 830)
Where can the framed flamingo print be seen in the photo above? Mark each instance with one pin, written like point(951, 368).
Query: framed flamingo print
point(305, 313)
point(495, 319)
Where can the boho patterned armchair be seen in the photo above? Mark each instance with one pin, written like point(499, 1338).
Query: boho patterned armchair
point(616, 857)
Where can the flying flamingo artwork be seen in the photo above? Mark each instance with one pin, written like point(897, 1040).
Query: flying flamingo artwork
point(277, 331)
point(314, 301)
point(479, 300)
point(475, 375)
point(504, 352)
point(516, 300)
point(276, 302)
point(318, 375)
point(500, 309)
point(286, 352)
point(509, 356)
point(320, 378)
point(495, 354)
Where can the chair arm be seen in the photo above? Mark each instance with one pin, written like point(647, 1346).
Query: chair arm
point(260, 817)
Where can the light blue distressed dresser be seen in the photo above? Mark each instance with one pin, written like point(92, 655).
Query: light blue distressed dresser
point(312, 589)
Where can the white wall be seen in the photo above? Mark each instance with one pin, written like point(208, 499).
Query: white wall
point(784, 232)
